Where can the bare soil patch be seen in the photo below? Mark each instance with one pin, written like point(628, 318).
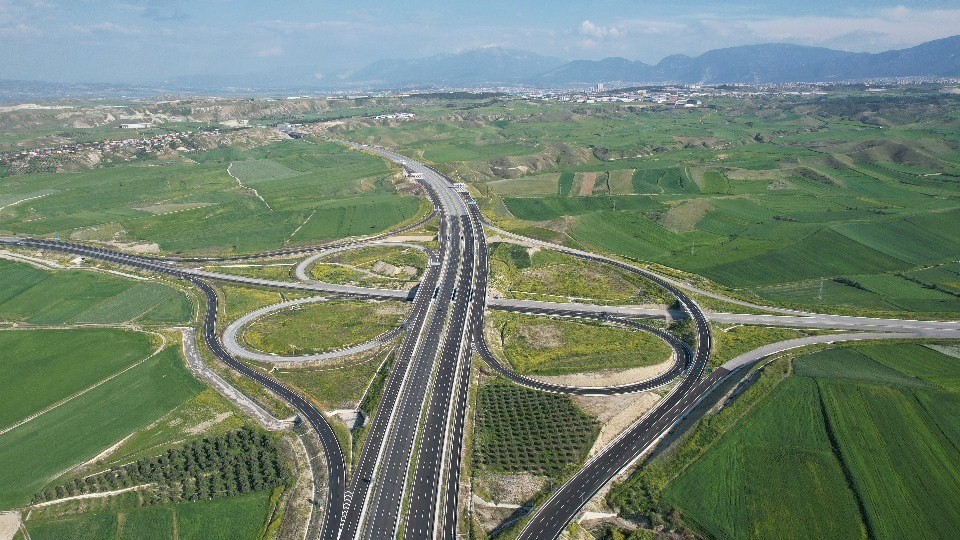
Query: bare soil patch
point(587, 182)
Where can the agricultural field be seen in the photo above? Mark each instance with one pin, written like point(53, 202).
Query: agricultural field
point(287, 192)
point(52, 297)
point(764, 197)
point(242, 517)
point(522, 430)
point(856, 441)
point(542, 274)
point(545, 346)
point(33, 454)
point(322, 326)
point(42, 367)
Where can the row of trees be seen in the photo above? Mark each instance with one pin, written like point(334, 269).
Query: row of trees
point(240, 461)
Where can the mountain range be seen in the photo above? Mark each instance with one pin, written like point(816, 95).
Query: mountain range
point(765, 63)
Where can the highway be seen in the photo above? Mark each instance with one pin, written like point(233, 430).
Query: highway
point(336, 468)
point(432, 345)
point(408, 477)
point(336, 471)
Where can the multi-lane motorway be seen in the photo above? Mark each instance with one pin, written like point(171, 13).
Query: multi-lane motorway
point(407, 480)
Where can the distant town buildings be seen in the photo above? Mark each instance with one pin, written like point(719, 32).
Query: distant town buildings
point(393, 116)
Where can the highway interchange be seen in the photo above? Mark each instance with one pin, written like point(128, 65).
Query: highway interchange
point(407, 480)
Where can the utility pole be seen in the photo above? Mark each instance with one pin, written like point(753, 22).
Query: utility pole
point(820, 292)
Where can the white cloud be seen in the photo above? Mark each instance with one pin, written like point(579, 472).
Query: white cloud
point(888, 28)
point(106, 27)
point(591, 30)
point(270, 52)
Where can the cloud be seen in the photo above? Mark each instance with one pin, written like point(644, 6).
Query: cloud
point(591, 30)
point(270, 52)
point(899, 26)
point(106, 27)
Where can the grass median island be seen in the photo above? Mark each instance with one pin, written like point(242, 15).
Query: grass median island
point(551, 275)
point(546, 346)
point(237, 301)
point(323, 326)
point(338, 386)
point(368, 257)
point(852, 441)
point(394, 267)
point(275, 270)
point(29, 294)
point(522, 430)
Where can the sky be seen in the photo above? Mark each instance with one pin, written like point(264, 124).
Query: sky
point(154, 41)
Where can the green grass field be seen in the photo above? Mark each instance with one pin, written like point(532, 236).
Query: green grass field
point(232, 518)
point(41, 367)
point(323, 326)
point(35, 453)
point(545, 346)
point(859, 441)
point(366, 258)
point(338, 386)
point(551, 275)
point(50, 297)
point(315, 192)
point(522, 430)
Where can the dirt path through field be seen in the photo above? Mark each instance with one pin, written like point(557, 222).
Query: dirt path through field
point(99, 495)
point(255, 192)
point(9, 525)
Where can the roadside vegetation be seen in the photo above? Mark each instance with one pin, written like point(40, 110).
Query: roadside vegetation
point(338, 385)
point(730, 341)
point(546, 346)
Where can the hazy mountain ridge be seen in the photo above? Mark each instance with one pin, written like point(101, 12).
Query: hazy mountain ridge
point(764, 63)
